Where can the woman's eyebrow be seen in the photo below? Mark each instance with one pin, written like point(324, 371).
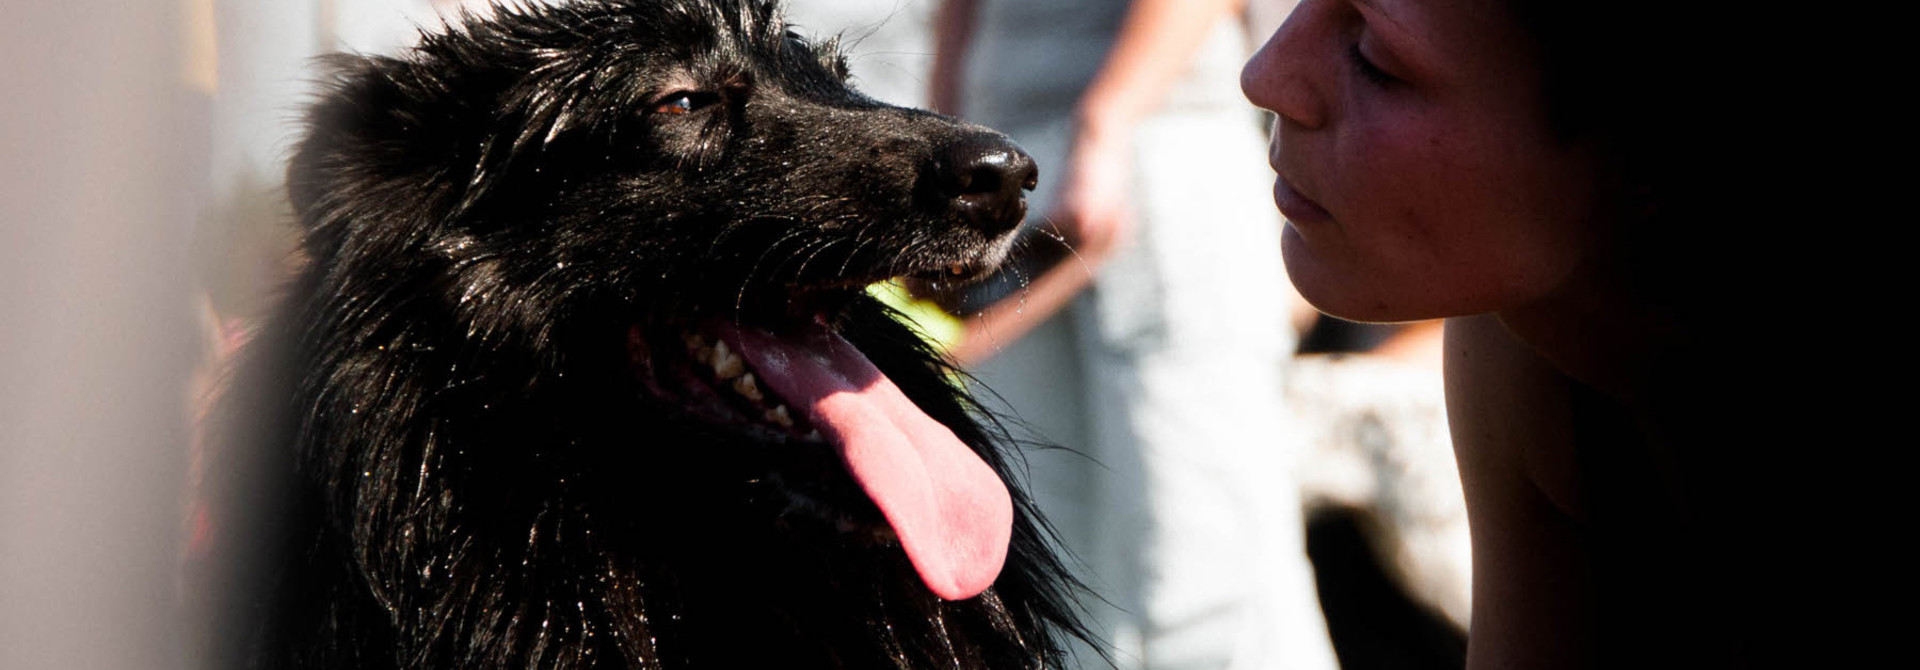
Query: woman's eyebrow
point(1378, 11)
point(1406, 45)
point(1376, 6)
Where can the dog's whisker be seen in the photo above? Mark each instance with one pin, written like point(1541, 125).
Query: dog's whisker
point(900, 253)
point(779, 266)
point(1021, 281)
point(802, 270)
point(728, 232)
point(854, 254)
point(859, 238)
point(1050, 229)
point(746, 281)
point(774, 246)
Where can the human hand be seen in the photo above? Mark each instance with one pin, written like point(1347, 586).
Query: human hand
point(1092, 216)
point(1091, 211)
point(952, 35)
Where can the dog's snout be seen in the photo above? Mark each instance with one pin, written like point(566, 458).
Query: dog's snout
point(987, 176)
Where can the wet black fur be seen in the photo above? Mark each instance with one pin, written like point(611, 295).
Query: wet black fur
point(478, 481)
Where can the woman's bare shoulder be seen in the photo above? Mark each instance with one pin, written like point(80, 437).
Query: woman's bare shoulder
point(1508, 405)
point(1510, 414)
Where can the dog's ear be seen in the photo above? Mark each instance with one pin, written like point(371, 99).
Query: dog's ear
point(378, 124)
point(385, 144)
point(330, 111)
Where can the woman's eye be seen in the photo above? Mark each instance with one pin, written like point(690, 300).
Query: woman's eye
point(1367, 69)
point(684, 103)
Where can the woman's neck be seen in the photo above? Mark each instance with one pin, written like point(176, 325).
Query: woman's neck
point(1594, 330)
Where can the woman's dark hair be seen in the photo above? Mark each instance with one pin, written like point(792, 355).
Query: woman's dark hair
point(1669, 96)
point(1756, 158)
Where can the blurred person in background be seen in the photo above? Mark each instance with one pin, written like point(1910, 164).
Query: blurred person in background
point(1145, 326)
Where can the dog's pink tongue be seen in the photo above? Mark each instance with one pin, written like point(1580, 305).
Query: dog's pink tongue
point(951, 511)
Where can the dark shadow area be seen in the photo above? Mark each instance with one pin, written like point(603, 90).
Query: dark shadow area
point(1334, 335)
point(1374, 624)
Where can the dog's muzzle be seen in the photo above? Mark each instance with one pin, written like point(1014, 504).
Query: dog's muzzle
point(988, 177)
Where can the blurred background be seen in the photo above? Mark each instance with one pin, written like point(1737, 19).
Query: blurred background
point(1245, 483)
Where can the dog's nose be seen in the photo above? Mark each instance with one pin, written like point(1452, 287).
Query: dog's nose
point(986, 174)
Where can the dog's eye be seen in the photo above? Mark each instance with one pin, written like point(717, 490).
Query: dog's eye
point(684, 102)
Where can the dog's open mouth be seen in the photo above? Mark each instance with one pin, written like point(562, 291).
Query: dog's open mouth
point(800, 382)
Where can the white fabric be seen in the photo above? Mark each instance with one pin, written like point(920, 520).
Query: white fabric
point(1167, 377)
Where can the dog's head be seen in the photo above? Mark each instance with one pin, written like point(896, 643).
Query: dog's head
point(699, 140)
point(612, 254)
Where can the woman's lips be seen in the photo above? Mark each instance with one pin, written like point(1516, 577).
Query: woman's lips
point(1297, 208)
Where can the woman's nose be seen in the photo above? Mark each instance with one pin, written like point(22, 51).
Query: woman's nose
point(1280, 77)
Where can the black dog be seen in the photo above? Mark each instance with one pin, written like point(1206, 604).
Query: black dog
point(580, 371)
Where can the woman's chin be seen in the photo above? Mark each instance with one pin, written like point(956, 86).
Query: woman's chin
point(1341, 286)
point(1328, 285)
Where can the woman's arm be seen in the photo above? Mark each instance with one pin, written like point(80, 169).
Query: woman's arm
point(1513, 434)
point(1157, 39)
point(952, 35)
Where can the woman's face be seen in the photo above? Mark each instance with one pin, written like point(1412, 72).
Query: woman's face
point(1417, 170)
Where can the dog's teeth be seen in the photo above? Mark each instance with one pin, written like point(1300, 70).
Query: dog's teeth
point(748, 386)
point(704, 355)
point(694, 341)
point(726, 365)
point(780, 416)
point(813, 436)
